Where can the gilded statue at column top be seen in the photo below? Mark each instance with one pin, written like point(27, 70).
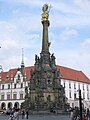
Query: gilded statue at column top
point(45, 13)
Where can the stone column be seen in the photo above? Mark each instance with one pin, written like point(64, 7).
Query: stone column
point(45, 43)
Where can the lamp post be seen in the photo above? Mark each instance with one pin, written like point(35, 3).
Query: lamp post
point(80, 104)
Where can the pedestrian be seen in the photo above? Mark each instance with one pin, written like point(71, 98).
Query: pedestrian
point(87, 113)
point(23, 114)
point(71, 115)
point(16, 115)
point(26, 114)
point(84, 117)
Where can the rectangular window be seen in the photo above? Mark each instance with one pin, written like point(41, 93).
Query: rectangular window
point(8, 86)
point(74, 95)
point(21, 85)
point(2, 87)
point(69, 85)
point(8, 97)
point(69, 94)
point(88, 96)
point(74, 86)
point(21, 96)
point(83, 86)
point(14, 96)
point(14, 85)
point(83, 95)
point(2, 97)
point(64, 84)
point(87, 88)
point(79, 86)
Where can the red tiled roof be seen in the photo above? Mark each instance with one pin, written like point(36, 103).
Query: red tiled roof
point(27, 70)
point(3, 75)
point(65, 73)
point(11, 73)
point(71, 74)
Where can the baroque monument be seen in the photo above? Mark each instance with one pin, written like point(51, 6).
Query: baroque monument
point(45, 91)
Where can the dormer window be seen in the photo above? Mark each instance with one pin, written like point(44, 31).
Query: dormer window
point(0, 78)
point(24, 77)
point(7, 77)
point(18, 77)
point(11, 78)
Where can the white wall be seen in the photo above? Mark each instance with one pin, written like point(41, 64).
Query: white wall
point(75, 102)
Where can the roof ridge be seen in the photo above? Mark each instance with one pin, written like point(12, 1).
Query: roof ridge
point(69, 68)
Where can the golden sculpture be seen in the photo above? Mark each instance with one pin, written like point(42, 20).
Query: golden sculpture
point(45, 13)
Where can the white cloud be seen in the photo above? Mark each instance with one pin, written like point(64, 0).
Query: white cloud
point(7, 35)
point(85, 45)
point(84, 5)
point(68, 33)
point(76, 21)
point(86, 42)
point(12, 39)
point(6, 26)
point(30, 3)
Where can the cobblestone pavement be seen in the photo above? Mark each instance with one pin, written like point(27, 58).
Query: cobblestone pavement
point(39, 117)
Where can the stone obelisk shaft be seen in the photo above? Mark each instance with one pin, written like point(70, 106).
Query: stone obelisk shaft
point(45, 42)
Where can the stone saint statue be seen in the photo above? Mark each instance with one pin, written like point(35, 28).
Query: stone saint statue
point(45, 14)
point(53, 59)
point(26, 91)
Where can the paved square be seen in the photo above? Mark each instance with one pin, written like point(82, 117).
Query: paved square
point(39, 117)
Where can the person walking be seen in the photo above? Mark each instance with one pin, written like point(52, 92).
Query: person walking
point(84, 117)
point(16, 115)
point(71, 115)
point(23, 114)
point(87, 113)
point(27, 114)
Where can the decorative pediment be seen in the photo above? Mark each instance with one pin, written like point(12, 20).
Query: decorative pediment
point(18, 77)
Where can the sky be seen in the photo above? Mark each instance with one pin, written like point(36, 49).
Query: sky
point(69, 32)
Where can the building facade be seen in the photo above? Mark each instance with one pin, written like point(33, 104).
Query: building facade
point(14, 81)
